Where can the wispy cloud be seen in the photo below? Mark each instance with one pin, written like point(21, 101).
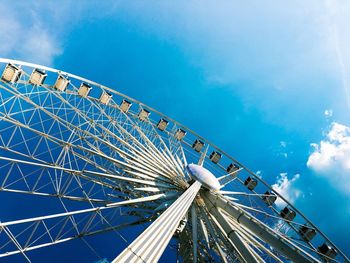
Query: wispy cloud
point(335, 20)
point(286, 187)
point(25, 35)
point(268, 54)
point(331, 157)
point(328, 113)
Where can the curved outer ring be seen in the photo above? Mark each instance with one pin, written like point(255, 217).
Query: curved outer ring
point(110, 90)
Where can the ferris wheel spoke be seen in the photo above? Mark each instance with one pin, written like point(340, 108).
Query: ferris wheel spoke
point(125, 179)
point(51, 228)
point(220, 241)
point(89, 172)
point(180, 164)
point(96, 151)
point(281, 244)
point(55, 118)
point(146, 160)
point(164, 145)
point(184, 159)
point(151, 170)
point(76, 236)
point(142, 134)
point(259, 209)
point(150, 155)
point(167, 163)
point(34, 181)
point(202, 157)
point(68, 197)
point(17, 244)
point(240, 245)
point(38, 232)
point(60, 141)
point(228, 178)
point(241, 193)
point(151, 177)
point(252, 238)
point(160, 168)
point(157, 157)
point(46, 137)
point(78, 188)
point(110, 134)
point(173, 162)
point(267, 214)
point(289, 228)
point(162, 156)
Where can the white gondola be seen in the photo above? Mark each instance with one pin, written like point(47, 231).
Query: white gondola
point(125, 105)
point(11, 73)
point(215, 157)
point(61, 83)
point(288, 213)
point(162, 124)
point(37, 77)
point(232, 167)
point(112, 163)
point(269, 197)
point(198, 145)
point(328, 251)
point(84, 90)
point(143, 114)
point(250, 183)
point(307, 233)
point(105, 97)
point(179, 134)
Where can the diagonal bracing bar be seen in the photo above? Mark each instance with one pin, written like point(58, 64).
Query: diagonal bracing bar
point(149, 246)
point(25, 234)
point(277, 241)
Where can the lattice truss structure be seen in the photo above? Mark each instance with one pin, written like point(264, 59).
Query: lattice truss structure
point(107, 162)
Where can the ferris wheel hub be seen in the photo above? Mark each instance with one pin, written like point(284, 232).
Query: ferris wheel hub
point(204, 176)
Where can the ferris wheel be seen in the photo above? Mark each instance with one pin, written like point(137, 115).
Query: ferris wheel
point(98, 162)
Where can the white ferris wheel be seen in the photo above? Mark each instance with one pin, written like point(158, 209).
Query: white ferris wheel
point(106, 162)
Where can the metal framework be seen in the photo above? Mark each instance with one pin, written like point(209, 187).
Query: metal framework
point(101, 162)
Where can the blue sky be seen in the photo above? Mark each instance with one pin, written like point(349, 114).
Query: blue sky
point(266, 81)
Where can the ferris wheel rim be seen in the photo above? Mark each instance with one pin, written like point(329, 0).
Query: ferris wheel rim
point(113, 91)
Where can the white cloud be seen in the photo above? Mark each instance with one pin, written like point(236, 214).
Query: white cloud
point(283, 149)
point(258, 173)
point(26, 36)
point(36, 31)
point(286, 188)
point(328, 113)
point(331, 157)
point(283, 144)
point(40, 46)
point(295, 50)
point(338, 20)
point(9, 27)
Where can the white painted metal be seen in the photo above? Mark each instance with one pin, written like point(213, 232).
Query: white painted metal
point(114, 154)
point(284, 246)
point(204, 176)
point(149, 246)
point(37, 77)
point(84, 90)
point(32, 224)
point(241, 246)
